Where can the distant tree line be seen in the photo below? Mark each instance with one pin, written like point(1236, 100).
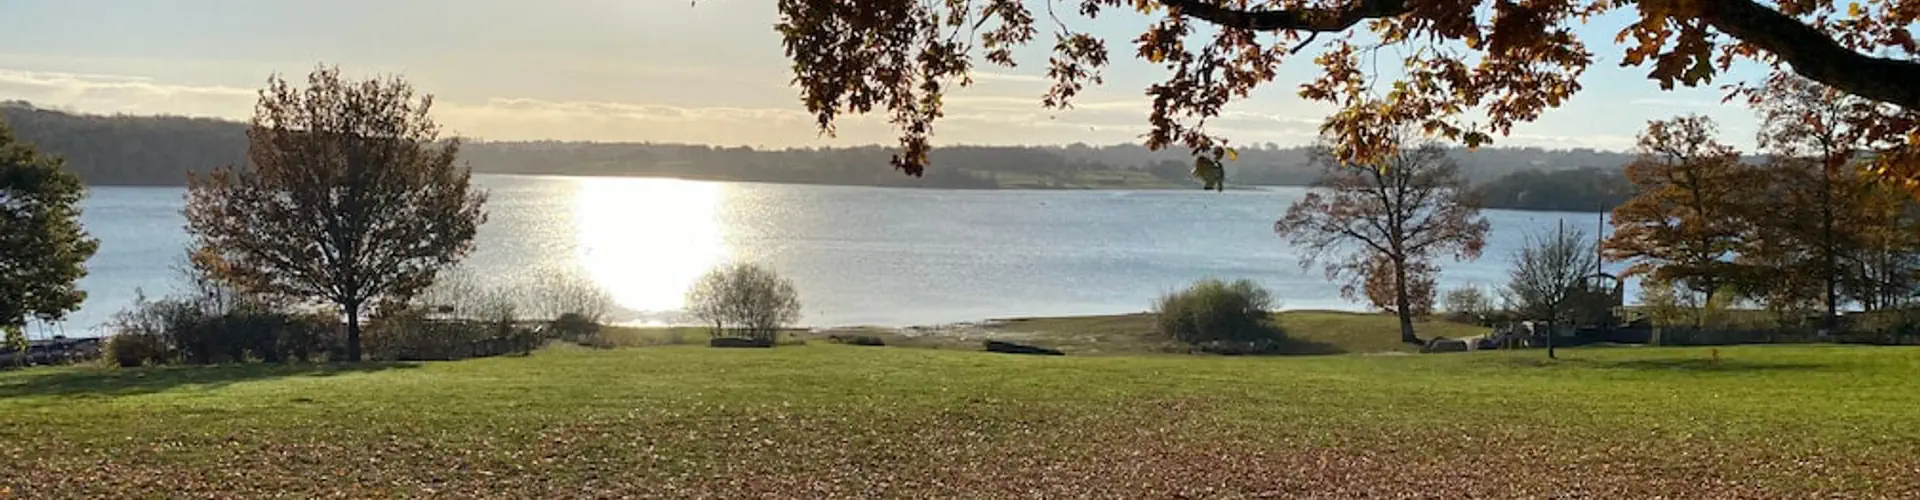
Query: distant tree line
point(159, 150)
point(1584, 189)
point(125, 150)
point(1806, 232)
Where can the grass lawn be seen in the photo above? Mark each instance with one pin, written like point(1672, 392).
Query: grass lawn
point(820, 420)
point(1309, 332)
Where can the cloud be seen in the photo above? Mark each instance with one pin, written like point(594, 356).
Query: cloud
point(124, 94)
point(1008, 77)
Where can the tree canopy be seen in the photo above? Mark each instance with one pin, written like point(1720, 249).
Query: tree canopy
point(1387, 222)
point(43, 250)
point(1686, 223)
point(351, 198)
point(1476, 68)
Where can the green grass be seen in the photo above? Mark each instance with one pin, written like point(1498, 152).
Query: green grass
point(1309, 332)
point(823, 420)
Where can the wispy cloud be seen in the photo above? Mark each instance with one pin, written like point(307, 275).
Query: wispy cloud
point(82, 83)
point(124, 94)
point(990, 76)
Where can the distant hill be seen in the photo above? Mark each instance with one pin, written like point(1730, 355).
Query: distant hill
point(159, 150)
point(129, 150)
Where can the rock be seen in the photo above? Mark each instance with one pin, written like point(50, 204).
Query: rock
point(1012, 348)
point(1443, 344)
point(738, 342)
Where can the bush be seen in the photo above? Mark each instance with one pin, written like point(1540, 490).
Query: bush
point(556, 296)
point(1216, 314)
point(744, 299)
point(459, 317)
point(204, 329)
point(415, 335)
point(131, 349)
point(576, 328)
point(1889, 326)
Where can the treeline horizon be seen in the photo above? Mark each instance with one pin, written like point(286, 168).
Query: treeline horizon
point(159, 150)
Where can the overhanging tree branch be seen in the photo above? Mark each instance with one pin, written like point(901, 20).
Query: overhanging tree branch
point(1315, 20)
point(1815, 55)
point(1812, 53)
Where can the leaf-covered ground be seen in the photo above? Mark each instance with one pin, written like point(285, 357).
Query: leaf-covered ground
point(826, 421)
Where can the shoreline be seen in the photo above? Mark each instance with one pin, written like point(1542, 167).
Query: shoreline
point(1121, 188)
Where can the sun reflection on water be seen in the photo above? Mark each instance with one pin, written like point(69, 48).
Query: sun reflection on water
point(646, 240)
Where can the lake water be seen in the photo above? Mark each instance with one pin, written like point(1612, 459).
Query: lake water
point(858, 256)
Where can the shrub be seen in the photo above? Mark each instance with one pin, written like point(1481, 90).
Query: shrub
point(1665, 304)
point(1889, 326)
point(744, 299)
point(242, 334)
point(211, 321)
point(198, 328)
point(412, 335)
point(555, 296)
point(131, 349)
point(304, 336)
point(576, 328)
point(1218, 314)
point(143, 332)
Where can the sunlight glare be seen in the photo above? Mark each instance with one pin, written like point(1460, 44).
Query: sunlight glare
point(646, 240)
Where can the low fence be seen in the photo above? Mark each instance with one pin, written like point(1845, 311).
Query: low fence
point(1696, 336)
point(58, 351)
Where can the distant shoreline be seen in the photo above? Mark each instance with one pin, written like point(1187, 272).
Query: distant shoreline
point(1079, 186)
point(1070, 187)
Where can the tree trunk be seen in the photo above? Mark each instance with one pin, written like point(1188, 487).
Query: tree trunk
point(1402, 304)
point(353, 333)
point(1700, 314)
point(1550, 331)
point(1831, 268)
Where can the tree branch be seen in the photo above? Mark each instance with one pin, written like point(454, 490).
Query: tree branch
point(1315, 20)
point(1815, 55)
point(1812, 54)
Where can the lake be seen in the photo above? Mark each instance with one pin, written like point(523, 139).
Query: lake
point(857, 255)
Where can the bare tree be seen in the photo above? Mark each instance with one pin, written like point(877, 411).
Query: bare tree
point(1547, 275)
point(559, 294)
point(1389, 220)
point(746, 298)
point(351, 198)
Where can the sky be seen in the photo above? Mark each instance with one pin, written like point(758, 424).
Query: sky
point(711, 71)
